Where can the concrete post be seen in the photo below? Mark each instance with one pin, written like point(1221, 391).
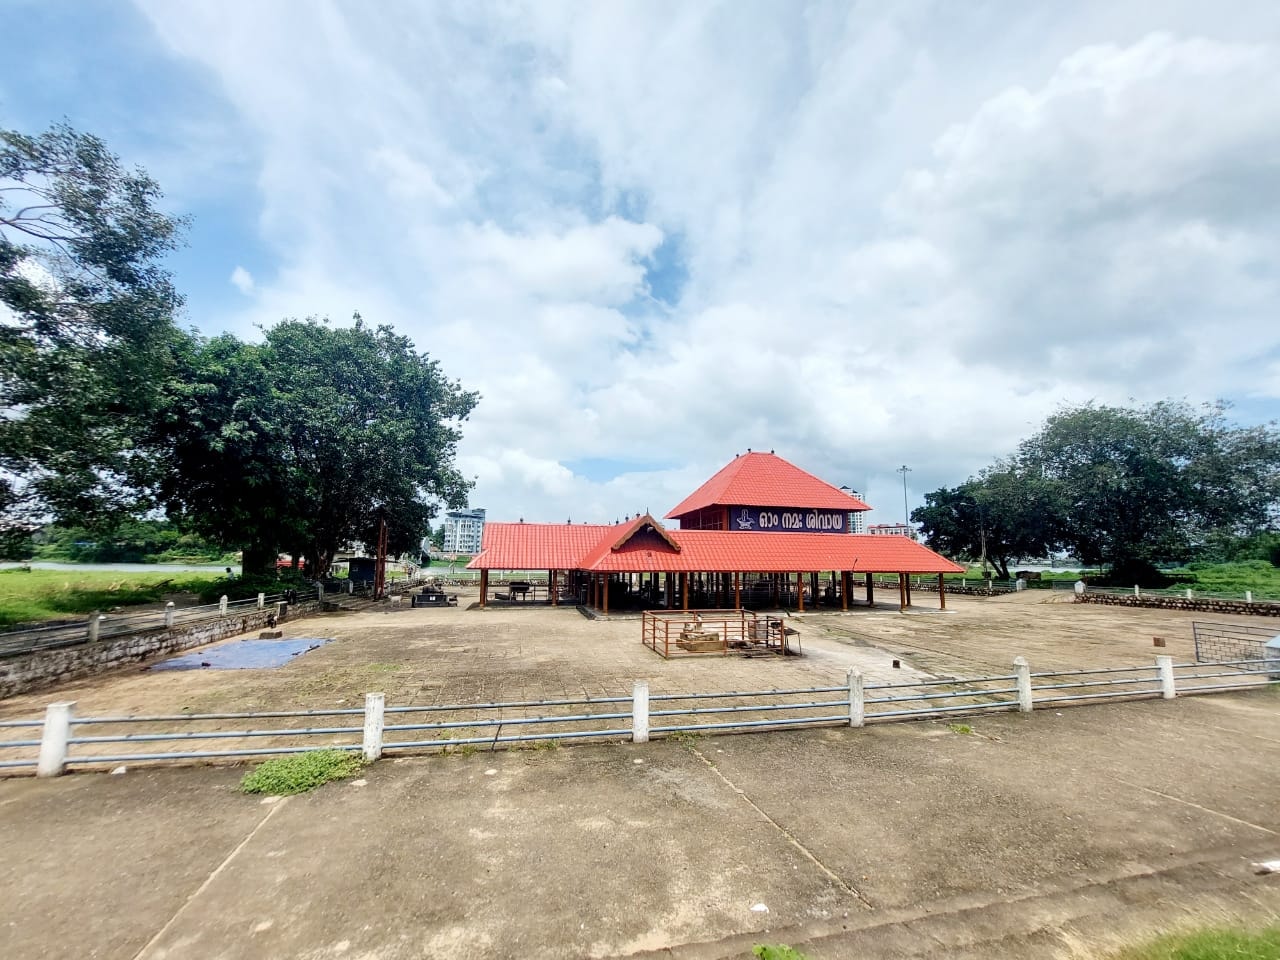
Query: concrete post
point(351, 587)
point(168, 614)
point(281, 608)
point(1136, 591)
point(1023, 672)
point(319, 592)
point(1188, 593)
point(857, 698)
point(95, 621)
point(640, 712)
point(52, 760)
point(262, 600)
point(222, 605)
point(1168, 689)
point(375, 705)
point(1248, 596)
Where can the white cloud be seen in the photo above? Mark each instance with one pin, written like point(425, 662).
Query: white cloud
point(242, 280)
point(892, 247)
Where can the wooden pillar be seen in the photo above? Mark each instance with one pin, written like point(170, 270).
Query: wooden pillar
point(737, 591)
point(484, 586)
point(942, 592)
point(684, 591)
point(902, 591)
point(871, 591)
point(800, 592)
point(551, 588)
point(605, 590)
point(846, 581)
point(906, 577)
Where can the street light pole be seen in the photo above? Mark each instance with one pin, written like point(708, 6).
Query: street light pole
point(906, 515)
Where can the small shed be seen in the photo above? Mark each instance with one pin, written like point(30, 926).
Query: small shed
point(361, 569)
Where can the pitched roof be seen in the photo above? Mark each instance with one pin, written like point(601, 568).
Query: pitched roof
point(765, 480)
point(536, 546)
point(623, 548)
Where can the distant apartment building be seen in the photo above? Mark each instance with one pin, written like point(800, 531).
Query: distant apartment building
point(891, 530)
point(857, 522)
point(463, 531)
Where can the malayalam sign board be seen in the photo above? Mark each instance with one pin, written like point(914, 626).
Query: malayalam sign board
point(784, 520)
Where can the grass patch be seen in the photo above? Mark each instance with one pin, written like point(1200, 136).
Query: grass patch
point(301, 772)
point(960, 728)
point(1212, 944)
point(32, 595)
point(779, 951)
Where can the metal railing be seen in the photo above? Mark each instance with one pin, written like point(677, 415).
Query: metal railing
point(62, 739)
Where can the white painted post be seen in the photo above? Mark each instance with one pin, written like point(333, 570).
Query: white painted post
point(640, 712)
point(1136, 591)
point(1248, 596)
point(857, 698)
point(281, 607)
point(1023, 672)
point(262, 600)
point(375, 705)
point(52, 760)
point(1188, 593)
point(319, 592)
point(351, 587)
point(1168, 690)
point(222, 605)
point(95, 621)
point(168, 614)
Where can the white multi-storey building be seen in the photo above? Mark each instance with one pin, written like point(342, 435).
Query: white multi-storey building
point(463, 531)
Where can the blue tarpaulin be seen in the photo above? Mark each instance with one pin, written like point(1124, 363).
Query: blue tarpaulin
point(243, 655)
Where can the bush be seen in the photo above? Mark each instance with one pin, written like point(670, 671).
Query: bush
point(301, 772)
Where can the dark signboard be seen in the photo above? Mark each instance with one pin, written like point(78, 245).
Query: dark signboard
point(784, 520)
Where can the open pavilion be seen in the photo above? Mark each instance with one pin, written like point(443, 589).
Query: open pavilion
point(760, 534)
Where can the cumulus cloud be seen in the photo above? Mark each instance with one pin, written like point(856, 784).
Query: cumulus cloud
point(892, 248)
point(242, 280)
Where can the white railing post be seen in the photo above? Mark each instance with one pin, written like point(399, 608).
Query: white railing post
point(857, 698)
point(319, 592)
point(95, 621)
point(375, 705)
point(1248, 596)
point(1188, 593)
point(52, 760)
point(1168, 687)
point(169, 614)
point(222, 605)
point(262, 600)
point(281, 607)
point(1136, 591)
point(640, 712)
point(1023, 672)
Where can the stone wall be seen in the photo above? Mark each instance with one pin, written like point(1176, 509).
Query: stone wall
point(45, 668)
point(1194, 605)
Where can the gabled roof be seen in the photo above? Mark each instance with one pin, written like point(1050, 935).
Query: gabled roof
point(632, 548)
point(765, 480)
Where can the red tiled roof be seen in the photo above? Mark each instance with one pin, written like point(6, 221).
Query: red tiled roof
point(537, 546)
point(765, 480)
point(627, 549)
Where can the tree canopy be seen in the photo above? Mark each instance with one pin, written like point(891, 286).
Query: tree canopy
point(1129, 487)
point(308, 439)
point(86, 325)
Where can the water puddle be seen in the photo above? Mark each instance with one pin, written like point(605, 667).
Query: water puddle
point(243, 655)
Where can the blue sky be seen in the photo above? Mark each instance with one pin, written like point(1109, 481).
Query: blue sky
point(654, 235)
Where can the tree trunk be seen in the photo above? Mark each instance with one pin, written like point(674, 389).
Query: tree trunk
point(258, 559)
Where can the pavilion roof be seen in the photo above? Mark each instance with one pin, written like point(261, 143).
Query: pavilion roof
point(642, 545)
point(765, 480)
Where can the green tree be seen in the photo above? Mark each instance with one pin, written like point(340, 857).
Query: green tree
point(1133, 487)
point(999, 517)
point(87, 331)
point(309, 439)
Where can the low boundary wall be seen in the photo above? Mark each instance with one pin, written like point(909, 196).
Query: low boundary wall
point(1194, 605)
point(41, 668)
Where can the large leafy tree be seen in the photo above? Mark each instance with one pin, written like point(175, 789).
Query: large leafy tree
point(86, 326)
point(1129, 487)
point(310, 438)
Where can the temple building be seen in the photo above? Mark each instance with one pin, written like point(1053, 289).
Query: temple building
point(760, 534)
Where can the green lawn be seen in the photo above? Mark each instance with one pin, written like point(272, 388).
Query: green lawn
point(31, 595)
point(1217, 944)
